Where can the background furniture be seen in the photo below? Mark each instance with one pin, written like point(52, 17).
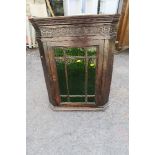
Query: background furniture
point(122, 41)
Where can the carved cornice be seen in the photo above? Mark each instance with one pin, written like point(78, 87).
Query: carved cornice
point(81, 26)
point(106, 31)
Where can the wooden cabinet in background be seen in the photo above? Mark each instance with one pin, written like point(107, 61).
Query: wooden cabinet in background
point(122, 41)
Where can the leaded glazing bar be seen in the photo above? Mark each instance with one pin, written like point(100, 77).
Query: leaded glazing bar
point(86, 74)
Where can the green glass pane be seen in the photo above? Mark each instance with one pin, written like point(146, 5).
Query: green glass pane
point(91, 76)
point(75, 52)
point(91, 51)
point(61, 76)
point(91, 99)
point(77, 99)
point(64, 99)
point(58, 52)
point(76, 76)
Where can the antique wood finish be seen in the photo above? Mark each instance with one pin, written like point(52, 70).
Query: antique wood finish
point(54, 77)
point(104, 71)
point(52, 74)
point(109, 47)
point(77, 31)
point(123, 28)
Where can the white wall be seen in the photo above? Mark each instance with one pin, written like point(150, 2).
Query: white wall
point(79, 7)
point(108, 6)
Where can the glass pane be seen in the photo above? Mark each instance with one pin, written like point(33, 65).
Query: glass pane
point(64, 99)
point(61, 76)
point(91, 99)
point(58, 52)
point(77, 99)
point(72, 75)
point(75, 52)
point(76, 76)
point(91, 51)
point(91, 76)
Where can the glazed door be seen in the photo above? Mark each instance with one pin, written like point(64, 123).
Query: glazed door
point(80, 76)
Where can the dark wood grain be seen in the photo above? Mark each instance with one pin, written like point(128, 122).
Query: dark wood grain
point(46, 70)
point(51, 74)
point(54, 76)
point(99, 70)
point(67, 20)
point(107, 69)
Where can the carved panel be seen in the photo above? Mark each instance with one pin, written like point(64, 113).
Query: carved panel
point(107, 31)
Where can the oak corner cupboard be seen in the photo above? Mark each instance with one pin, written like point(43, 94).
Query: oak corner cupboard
point(77, 59)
